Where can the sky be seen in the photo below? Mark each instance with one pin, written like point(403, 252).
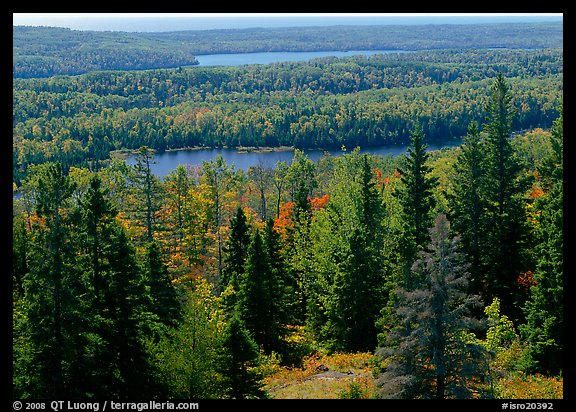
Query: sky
point(204, 21)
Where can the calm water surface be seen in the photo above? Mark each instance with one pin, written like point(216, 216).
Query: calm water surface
point(168, 161)
point(237, 59)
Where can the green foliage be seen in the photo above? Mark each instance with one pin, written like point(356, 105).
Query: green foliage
point(186, 356)
point(355, 101)
point(417, 201)
point(238, 363)
point(50, 51)
point(99, 253)
point(428, 353)
point(544, 310)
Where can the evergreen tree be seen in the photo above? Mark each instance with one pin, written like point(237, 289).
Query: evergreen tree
point(505, 224)
point(237, 363)
point(53, 331)
point(129, 322)
point(259, 300)
point(165, 303)
point(468, 202)
point(235, 249)
point(346, 265)
point(417, 202)
point(544, 310)
point(148, 189)
point(428, 354)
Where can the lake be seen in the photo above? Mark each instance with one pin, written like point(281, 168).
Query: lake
point(167, 161)
point(237, 59)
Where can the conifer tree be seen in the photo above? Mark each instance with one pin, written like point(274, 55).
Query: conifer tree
point(165, 303)
point(129, 322)
point(148, 189)
point(235, 251)
point(544, 310)
point(505, 214)
point(259, 300)
point(428, 354)
point(469, 203)
point(417, 202)
point(346, 266)
point(238, 361)
point(54, 326)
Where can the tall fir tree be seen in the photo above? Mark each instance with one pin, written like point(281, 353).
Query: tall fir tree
point(259, 302)
point(505, 214)
point(165, 298)
point(416, 197)
point(346, 264)
point(235, 251)
point(468, 202)
point(148, 189)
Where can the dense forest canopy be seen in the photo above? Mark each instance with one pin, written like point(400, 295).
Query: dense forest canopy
point(50, 51)
point(324, 103)
point(443, 270)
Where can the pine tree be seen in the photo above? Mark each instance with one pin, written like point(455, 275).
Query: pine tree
point(346, 265)
point(148, 189)
point(128, 319)
point(237, 363)
point(235, 250)
point(428, 353)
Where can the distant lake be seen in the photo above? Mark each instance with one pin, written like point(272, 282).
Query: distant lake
point(168, 161)
point(237, 59)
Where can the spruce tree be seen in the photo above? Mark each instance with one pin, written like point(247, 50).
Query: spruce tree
point(148, 190)
point(128, 318)
point(505, 215)
point(53, 331)
point(165, 302)
point(237, 363)
point(428, 354)
point(235, 251)
point(259, 303)
point(469, 203)
point(417, 202)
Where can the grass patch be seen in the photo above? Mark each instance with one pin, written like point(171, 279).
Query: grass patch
point(323, 376)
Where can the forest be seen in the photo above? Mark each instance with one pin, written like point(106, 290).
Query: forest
point(447, 269)
point(52, 51)
point(428, 275)
point(325, 103)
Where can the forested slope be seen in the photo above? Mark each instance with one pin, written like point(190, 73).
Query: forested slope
point(325, 103)
point(438, 273)
point(50, 51)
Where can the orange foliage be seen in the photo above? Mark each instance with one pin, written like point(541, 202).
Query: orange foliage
point(536, 192)
point(284, 219)
point(319, 202)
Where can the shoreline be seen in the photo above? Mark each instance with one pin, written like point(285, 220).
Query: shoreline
point(124, 153)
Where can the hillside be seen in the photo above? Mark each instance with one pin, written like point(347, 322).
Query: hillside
point(51, 51)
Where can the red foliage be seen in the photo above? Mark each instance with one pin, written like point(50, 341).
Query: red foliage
point(526, 280)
